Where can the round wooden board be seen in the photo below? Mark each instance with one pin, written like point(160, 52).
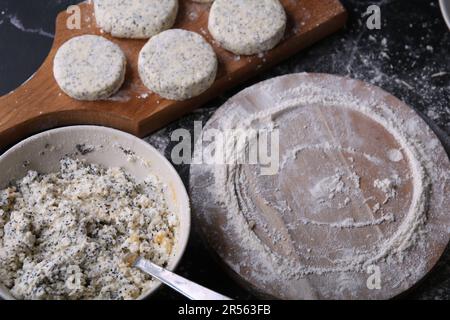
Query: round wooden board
point(358, 208)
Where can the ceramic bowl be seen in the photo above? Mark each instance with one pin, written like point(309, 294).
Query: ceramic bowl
point(43, 151)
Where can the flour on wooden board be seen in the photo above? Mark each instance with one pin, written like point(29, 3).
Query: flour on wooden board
point(230, 185)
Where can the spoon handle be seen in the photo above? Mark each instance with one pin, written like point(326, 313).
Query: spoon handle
point(187, 288)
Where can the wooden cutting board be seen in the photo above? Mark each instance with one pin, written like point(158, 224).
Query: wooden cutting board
point(360, 176)
point(39, 104)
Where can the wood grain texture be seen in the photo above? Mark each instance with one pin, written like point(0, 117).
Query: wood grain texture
point(335, 140)
point(39, 104)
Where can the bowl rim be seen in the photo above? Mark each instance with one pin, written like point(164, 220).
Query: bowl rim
point(184, 196)
point(445, 8)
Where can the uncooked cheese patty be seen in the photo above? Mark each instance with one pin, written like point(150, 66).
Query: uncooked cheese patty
point(137, 19)
point(247, 26)
point(89, 67)
point(178, 64)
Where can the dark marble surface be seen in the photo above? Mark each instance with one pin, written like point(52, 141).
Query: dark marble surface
point(409, 57)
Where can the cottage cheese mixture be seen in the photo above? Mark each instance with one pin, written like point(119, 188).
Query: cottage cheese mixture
point(178, 64)
point(64, 235)
point(89, 67)
point(247, 27)
point(138, 19)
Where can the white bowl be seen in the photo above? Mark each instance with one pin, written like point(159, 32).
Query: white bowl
point(43, 151)
point(445, 8)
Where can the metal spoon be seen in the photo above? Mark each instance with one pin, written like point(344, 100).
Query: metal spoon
point(186, 287)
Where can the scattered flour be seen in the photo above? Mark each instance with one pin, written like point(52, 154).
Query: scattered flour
point(388, 186)
point(395, 155)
